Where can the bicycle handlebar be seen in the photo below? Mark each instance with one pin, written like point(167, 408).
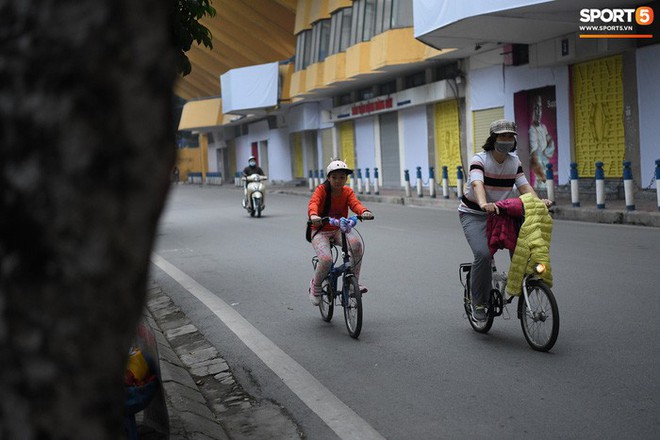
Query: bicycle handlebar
point(338, 221)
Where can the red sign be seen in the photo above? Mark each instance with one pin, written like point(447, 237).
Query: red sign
point(371, 107)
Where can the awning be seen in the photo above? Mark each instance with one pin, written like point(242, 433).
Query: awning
point(467, 25)
point(201, 115)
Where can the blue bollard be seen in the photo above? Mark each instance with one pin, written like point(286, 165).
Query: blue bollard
point(575, 191)
point(406, 178)
point(431, 183)
point(550, 182)
point(367, 182)
point(359, 181)
point(376, 190)
point(420, 192)
point(600, 185)
point(657, 181)
point(445, 182)
point(459, 181)
point(310, 181)
point(628, 187)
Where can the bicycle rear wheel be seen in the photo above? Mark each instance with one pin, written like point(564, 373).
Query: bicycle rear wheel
point(327, 304)
point(353, 307)
point(540, 322)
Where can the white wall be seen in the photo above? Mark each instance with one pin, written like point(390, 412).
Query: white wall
point(279, 155)
point(365, 144)
point(648, 90)
point(486, 88)
point(414, 135)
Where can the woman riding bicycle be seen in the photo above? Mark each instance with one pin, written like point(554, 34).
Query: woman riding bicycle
point(342, 197)
point(493, 173)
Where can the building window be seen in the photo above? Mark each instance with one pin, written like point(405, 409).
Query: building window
point(345, 32)
point(369, 22)
point(402, 13)
point(303, 50)
point(344, 99)
point(415, 80)
point(307, 51)
point(358, 10)
point(387, 88)
point(299, 49)
point(364, 94)
point(320, 40)
point(324, 39)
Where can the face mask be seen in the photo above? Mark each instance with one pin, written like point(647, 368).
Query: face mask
point(504, 146)
point(252, 163)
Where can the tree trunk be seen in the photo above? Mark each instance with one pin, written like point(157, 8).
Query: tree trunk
point(86, 149)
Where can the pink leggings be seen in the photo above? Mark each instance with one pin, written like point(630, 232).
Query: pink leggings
point(321, 244)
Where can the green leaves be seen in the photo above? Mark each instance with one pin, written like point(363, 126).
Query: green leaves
point(187, 29)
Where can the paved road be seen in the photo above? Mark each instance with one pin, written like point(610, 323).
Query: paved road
point(418, 371)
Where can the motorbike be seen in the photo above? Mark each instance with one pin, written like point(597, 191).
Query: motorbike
point(255, 190)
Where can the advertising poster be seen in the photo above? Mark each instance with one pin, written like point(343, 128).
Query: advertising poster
point(536, 117)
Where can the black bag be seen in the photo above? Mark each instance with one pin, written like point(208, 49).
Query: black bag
point(326, 209)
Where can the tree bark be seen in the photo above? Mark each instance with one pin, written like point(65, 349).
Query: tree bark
point(86, 150)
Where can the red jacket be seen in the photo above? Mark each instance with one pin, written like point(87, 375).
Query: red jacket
point(502, 230)
point(338, 205)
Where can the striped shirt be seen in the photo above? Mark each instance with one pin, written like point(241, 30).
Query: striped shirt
point(498, 178)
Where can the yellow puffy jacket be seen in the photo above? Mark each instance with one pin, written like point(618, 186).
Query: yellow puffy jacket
point(533, 245)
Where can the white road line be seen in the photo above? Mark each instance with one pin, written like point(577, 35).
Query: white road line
point(335, 413)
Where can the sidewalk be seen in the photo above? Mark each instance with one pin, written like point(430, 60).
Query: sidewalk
point(645, 214)
point(204, 401)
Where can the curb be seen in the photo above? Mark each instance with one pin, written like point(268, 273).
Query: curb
point(204, 400)
point(189, 416)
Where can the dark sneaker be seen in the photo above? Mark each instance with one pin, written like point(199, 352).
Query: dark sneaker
point(480, 312)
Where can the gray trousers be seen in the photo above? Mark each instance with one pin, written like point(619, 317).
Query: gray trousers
point(474, 228)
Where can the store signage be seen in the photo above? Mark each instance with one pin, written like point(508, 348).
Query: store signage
point(371, 107)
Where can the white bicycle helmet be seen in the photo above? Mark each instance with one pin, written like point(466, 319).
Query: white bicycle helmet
point(336, 165)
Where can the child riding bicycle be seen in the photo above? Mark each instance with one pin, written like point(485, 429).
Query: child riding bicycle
point(341, 199)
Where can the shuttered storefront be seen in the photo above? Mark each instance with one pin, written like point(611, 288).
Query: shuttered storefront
point(297, 154)
point(598, 109)
point(389, 145)
point(347, 143)
point(481, 120)
point(311, 152)
point(447, 139)
point(326, 146)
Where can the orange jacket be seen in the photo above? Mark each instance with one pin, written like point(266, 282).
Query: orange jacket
point(339, 205)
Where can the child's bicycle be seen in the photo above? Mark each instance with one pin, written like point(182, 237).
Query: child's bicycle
point(349, 295)
point(537, 307)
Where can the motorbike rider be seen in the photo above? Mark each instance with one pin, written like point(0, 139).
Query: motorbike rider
point(252, 168)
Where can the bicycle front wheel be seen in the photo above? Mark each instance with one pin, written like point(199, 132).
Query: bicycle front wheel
point(539, 321)
point(327, 304)
point(353, 307)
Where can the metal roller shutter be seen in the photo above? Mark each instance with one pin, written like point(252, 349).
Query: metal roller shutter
point(481, 120)
point(389, 145)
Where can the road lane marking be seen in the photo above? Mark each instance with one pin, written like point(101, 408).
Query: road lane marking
point(335, 413)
